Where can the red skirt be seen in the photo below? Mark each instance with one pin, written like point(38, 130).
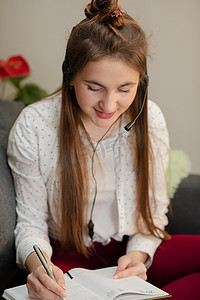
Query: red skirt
point(108, 256)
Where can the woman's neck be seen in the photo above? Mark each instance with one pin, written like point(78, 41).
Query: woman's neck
point(96, 133)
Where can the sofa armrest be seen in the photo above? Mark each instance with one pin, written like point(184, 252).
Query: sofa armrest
point(184, 217)
point(10, 274)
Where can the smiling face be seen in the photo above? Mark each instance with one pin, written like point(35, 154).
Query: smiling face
point(105, 89)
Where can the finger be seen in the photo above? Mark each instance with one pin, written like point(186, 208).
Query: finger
point(123, 263)
point(42, 293)
point(52, 285)
point(59, 275)
point(136, 270)
point(42, 286)
point(38, 291)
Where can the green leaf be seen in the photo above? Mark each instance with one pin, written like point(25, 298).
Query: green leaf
point(16, 81)
point(30, 93)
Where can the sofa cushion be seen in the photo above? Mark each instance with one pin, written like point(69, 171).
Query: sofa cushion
point(8, 113)
point(184, 217)
point(8, 270)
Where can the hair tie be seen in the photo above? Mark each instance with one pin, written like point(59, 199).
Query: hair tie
point(113, 15)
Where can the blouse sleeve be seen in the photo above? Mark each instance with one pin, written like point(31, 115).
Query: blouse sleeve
point(159, 140)
point(31, 193)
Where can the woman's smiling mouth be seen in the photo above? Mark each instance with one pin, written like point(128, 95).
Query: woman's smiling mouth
point(104, 115)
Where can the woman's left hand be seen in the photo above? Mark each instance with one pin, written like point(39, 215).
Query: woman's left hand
point(132, 264)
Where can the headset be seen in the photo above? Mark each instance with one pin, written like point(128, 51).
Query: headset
point(127, 128)
point(130, 125)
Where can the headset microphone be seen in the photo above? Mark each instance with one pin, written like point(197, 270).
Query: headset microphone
point(130, 125)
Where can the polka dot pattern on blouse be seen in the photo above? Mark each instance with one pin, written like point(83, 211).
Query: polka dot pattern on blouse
point(33, 158)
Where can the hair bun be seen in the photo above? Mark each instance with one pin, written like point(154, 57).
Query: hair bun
point(101, 3)
point(101, 8)
point(107, 11)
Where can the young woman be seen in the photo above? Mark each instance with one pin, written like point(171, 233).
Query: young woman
point(89, 164)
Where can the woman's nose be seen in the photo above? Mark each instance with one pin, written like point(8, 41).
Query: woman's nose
point(108, 103)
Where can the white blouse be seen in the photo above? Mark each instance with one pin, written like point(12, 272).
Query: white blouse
point(33, 159)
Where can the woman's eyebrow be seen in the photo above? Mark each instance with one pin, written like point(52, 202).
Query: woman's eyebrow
point(94, 82)
point(130, 83)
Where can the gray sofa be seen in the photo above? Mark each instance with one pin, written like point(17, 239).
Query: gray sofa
point(9, 273)
point(184, 218)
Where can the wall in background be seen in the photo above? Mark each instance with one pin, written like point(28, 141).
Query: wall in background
point(38, 30)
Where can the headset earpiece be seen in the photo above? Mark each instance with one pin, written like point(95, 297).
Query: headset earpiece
point(130, 125)
point(146, 79)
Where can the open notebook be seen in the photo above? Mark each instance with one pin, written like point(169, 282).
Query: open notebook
point(83, 284)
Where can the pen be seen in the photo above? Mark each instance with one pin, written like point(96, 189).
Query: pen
point(44, 263)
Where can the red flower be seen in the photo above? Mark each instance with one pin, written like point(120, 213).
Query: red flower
point(17, 66)
point(3, 74)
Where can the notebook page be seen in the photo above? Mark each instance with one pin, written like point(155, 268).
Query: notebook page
point(17, 293)
point(77, 292)
point(101, 283)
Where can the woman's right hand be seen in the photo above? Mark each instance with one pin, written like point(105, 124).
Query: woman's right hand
point(41, 286)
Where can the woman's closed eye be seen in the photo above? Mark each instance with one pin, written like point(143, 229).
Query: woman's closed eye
point(124, 91)
point(94, 89)
point(100, 89)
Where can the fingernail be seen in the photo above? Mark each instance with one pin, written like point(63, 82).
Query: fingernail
point(63, 295)
point(115, 276)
